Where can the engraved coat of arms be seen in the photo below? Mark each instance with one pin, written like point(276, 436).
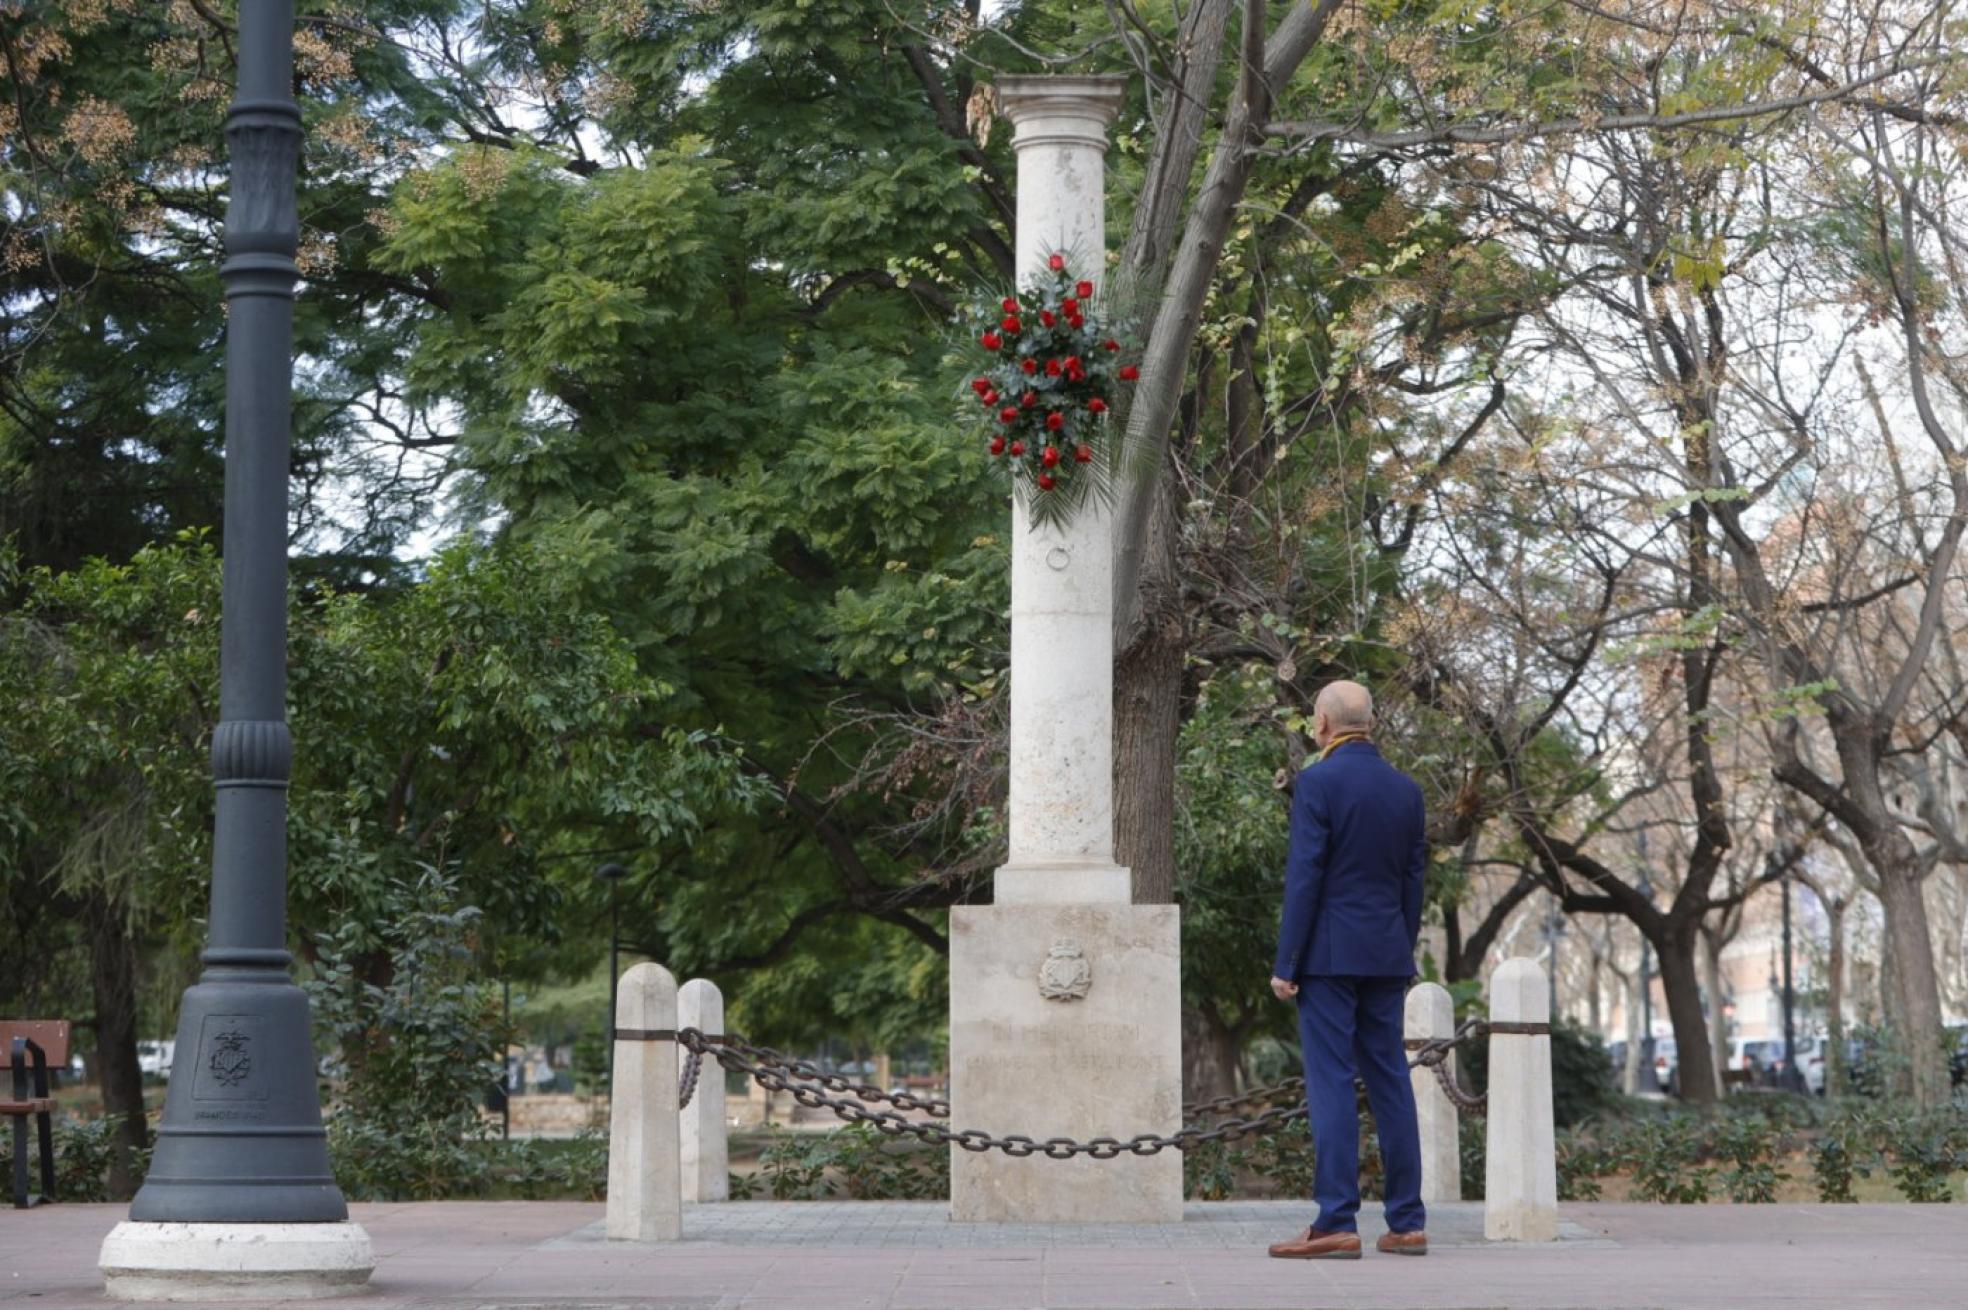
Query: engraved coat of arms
point(230, 1063)
point(1065, 975)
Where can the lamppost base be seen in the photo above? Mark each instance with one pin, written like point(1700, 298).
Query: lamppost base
point(234, 1262)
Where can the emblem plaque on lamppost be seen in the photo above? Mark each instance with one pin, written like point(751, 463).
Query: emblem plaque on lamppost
point(239, 1203)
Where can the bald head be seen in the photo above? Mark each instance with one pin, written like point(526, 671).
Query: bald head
point(1341, 707)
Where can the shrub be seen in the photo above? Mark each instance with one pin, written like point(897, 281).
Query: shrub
point(1287, 1158)
point(1922, 1152)
point(1585, 1156)
point(1748, 1146)
point(856, 1162)
point(1472, 1143)
point(1209, 1172)
point(1581, 1073)
point(421, 1048)
point(1838, 1156)
point(1666, 1162)
point(83, 1149)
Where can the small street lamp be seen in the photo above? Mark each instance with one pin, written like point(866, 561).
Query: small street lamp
point(612, 874)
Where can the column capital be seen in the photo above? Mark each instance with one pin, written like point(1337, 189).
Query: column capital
point(1050, 110)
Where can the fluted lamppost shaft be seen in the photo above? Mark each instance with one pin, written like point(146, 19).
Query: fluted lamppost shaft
point(241, 1140)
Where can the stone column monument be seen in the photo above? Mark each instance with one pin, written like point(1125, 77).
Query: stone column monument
point(1065, 998)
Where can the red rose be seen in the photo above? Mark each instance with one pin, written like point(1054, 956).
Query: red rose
point(1053, 369)
point(1055, 421)
point(1010, 305)
point(1057, 262)
point(1077, 322)
point(989, 398)
point(1097, 405)
point(1085, 290)
point(1008, 415)
point(1029, 365)
point(1112, 345)
point(1050, 457)
point(1045, 317)
point(1083, 453)
point(1072, 362)
point(980, 385)
point(1010, 323)
point(1070, 307)
point(998, 444)
point(1047, 482)
point(1018, 448)
point(1129, 372)
point(990, 341)
point(1031, 399)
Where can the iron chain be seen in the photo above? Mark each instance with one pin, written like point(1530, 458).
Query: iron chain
point(687, 1087)
point(777, 1073)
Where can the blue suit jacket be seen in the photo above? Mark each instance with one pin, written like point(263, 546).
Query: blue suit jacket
point(1353, 875)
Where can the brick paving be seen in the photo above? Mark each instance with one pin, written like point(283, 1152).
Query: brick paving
point(908, 1256)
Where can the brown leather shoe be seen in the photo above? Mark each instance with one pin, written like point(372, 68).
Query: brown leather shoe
point(1317, 1245)
point(1415, 1243)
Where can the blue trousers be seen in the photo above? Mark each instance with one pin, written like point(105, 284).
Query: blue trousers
point(1349, 1026)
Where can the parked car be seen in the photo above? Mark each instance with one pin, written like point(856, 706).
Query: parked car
point(1813, 1053)
point(1667, 1065)
point(154, 1058)
point(1761, 1057)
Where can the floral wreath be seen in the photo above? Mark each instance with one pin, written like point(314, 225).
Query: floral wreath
point(1048, 389)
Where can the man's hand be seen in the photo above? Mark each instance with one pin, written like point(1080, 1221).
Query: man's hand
point(1283, 989)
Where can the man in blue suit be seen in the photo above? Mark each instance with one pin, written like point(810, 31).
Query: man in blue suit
point(1346, 954)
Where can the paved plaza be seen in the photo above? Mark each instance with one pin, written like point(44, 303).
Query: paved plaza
point(816, 1255)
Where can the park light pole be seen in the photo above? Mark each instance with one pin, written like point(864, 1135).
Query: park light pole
point(241, 1145)
point(1792, 1078)
point(1646, 972)
point(612, 874)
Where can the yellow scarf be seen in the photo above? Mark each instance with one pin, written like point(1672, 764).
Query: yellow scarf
point(1339, 741)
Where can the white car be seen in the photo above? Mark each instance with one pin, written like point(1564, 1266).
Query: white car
point(154, 1058)
point(1667, 1061)
point(1811, 1055)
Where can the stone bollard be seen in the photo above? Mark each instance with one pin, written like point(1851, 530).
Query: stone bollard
point(706, 1157)
point(1521, 1173)
point(1430, 1015)
point(644, 1181)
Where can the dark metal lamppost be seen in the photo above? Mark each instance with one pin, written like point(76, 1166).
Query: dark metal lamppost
point(241, 1140)
point(612, 874)
point(1792, 1077)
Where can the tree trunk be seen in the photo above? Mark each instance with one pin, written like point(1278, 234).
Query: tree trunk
point(1676, 954)
point(113, 965)
point(1147, 719)
point(1209, 1051)
point(1595, 1015)
point(1718, 1028)
point(1915, 996)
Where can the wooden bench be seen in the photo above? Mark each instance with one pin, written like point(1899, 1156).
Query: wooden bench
point(29, 1046)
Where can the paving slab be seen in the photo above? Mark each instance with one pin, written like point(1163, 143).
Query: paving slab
point(757, 1255)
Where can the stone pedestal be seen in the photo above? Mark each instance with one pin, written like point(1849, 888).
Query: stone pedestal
point(706, 1155)
point(1521, 1170)
point(1100, 1055)
point(645, 1187)
point(1431, 1015)
point(257, 1263)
